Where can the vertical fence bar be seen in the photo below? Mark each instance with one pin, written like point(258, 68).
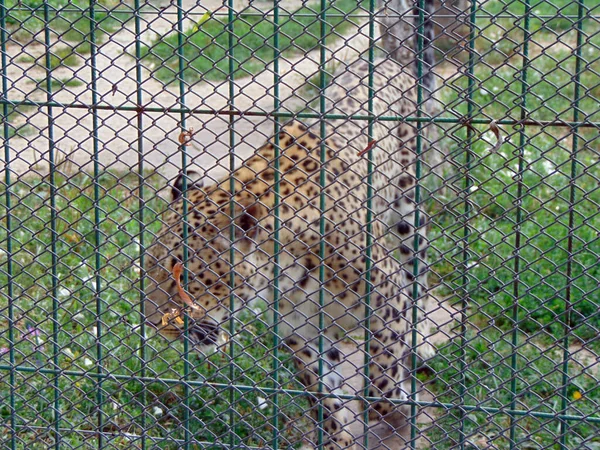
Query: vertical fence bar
point(54, 234)
point(322, 203)
point(572, 181)
point(466, 230)
point(139, 97)
point(9, 253)
point(231, 106)
point(415, 290)
point(277, 225)
point(97, 234)
point(369, 240)
point(519, 217)
point(185, 203)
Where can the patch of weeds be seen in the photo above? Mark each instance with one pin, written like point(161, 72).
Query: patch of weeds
point(544, 235)
point(16, 111)
point(489, 373)
point(58, 83)
point(68, 20)
point(205, 48)
point(64, 57)
point(22, 130)
point(15, 119)
point(546, 14)
point(543, 200)
point(498, 42)
point(27, 59)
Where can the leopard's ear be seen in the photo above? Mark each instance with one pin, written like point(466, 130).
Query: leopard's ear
point(247, 221)
point(192, 179)
point(246, 217)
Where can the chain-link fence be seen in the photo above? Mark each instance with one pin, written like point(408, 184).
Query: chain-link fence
point(412, 263)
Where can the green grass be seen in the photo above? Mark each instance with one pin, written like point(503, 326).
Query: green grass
point(205, 49)
point(545, 202)
point(127, 402)
point(478, 273)
point(486, 383)
point(64, 57)
point(60, 57)
point(544, 230)
point(16, 127)
point(69, 20)
point(58, 83)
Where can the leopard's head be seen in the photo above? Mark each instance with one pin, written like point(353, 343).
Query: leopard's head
point(216, 245)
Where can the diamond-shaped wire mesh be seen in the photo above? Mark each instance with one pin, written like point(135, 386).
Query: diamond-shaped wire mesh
point(322, 224)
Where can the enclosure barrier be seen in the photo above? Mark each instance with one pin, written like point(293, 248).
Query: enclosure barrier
point(105, 103)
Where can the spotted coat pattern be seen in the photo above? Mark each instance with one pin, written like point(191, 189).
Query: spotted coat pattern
point(223, 239)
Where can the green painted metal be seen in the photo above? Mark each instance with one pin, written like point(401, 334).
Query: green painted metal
point(277, 225)
point(302, 115)
point(97, 224)
point(53, 231)
point(564, 426)
point(518, 223)
point(297, 392)
point(322, 207)
point(185, 217)
point(231, 129)
point(9, 231)
point(369, 224)
point(418, 175)
point(192, 14)
point(139, 98)
point(466, 230)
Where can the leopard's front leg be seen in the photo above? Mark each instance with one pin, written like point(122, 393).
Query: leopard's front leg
point(336, 415)
point(409, 243)
point(389, 368)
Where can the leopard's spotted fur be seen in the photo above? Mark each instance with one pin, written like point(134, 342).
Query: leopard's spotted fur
point(345, 284)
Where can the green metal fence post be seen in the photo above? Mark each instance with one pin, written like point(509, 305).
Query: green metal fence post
point(9, 229)
point(277, 225)
point(139, 98)
point(465, 300)
point(322, 204)
point(415, 268)
point(97, 223)
point(186, 206)
point(570, 239)
point(369, 240)
point(517, 228)
point(54, 234)
point(231, 107)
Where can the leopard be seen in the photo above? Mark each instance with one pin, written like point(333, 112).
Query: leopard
point(337, 202)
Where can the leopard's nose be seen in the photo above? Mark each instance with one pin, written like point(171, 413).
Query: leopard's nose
point(204, 333)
